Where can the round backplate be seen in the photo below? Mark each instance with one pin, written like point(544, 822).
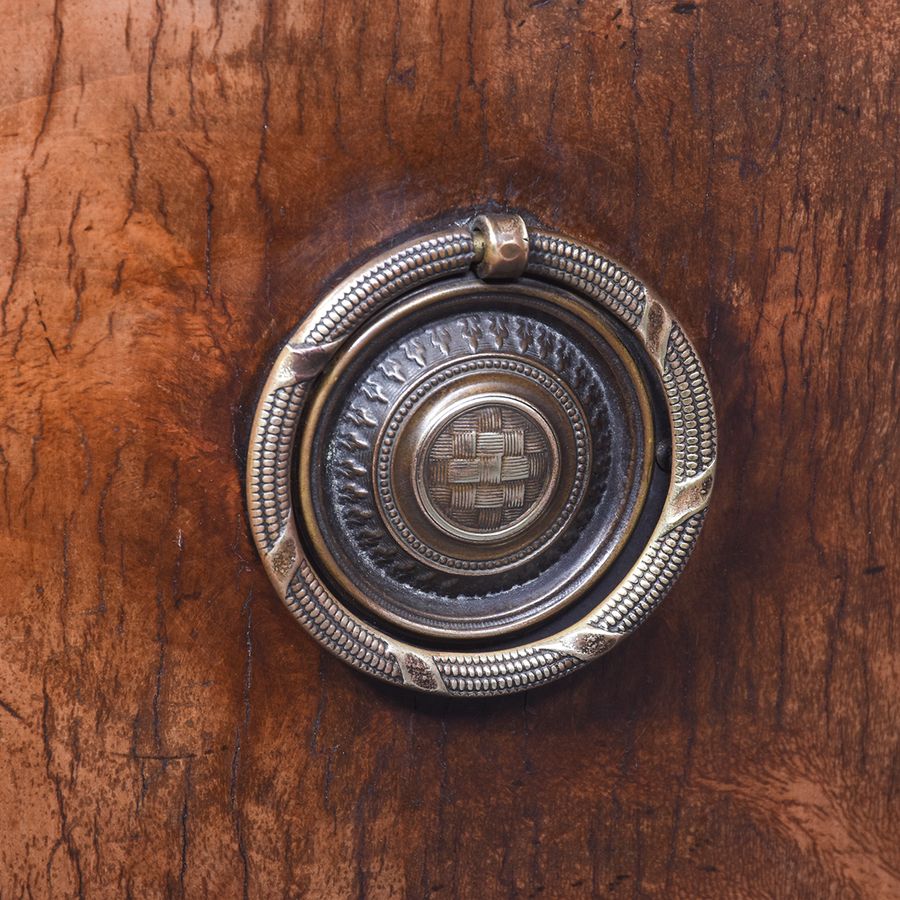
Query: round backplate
point(473, 487)
point(472, 461)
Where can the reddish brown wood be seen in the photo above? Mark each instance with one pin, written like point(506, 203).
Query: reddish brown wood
point(178, 182)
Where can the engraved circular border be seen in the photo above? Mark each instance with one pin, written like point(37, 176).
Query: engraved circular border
point(569, 406)
point(559, 260)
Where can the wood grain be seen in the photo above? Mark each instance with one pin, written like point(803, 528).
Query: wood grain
point(178, 182)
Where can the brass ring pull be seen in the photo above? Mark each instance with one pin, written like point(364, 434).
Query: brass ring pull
point(481, 460)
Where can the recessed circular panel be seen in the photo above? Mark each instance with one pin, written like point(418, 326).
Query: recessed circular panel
point(451, 479)
point(453, 482)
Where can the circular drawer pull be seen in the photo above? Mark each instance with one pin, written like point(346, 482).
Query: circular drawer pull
point(481, 460)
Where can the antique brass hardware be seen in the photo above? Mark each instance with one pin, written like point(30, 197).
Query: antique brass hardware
point(454, 478)
point(501, 246)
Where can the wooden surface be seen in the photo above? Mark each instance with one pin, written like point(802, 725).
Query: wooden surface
point(177, 183)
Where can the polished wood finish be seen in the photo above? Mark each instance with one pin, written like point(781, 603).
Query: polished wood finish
point(178, 182)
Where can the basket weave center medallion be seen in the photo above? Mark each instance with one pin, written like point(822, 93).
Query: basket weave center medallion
point(488, 470)
point(481, 463)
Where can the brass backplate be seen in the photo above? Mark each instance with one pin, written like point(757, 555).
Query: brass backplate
point(481, 460)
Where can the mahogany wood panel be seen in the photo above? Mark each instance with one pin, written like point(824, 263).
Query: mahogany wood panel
point(178, 182)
